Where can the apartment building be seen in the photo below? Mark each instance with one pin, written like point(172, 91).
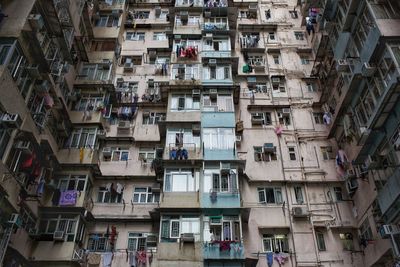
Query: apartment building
point(357, 61)
point(198, 133)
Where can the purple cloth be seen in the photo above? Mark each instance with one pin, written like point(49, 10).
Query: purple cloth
point(68, 198)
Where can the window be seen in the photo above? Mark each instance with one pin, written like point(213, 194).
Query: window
point(192, 21)
point(100, 242)
point(327, 152)
point(270, 195)
point(106, 195)
point(136, 242)
point(147, 155)
point(163, 14)
point(292, 153)
point(365, 230)
point(153, 118)
point(261, 118)
point(181, 180)
point(5, 136)
point(261, 155)
point(218, 138)
point(284, 118)
point(276, 58)
point(222, 103)
point(90, 102)
point(304, 61)
point(318, 117)
point(221, 183)
point(159, 36)
point(173, 226)
point(347, 241)
point(107, 21)
point(298, 194)
point(217, 72)
point(278, 83)
point(72, 182)
point(184, 102)
point(139, 14)
point(95, 72)
point(182, 137)
point(311, 87)
point(275, 243)
point(338, 193)
point(185, 72)
point(219, 228)
point(28, 219)
point(320, 241)
point(135, 36)
point(255, 60)
point(299, 35)
point(65, 223)
point(82, 138)
point(115, 154)
point(216, 45)
point(145, 195)
point(268, 14)
point(271, 36)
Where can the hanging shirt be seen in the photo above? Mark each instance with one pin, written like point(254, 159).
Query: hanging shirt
point(107, 259)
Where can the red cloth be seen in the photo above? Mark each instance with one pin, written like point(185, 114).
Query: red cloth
point(28, 162)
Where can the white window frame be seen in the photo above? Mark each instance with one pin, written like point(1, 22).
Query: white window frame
point(78, 132)
point(191, 183)
point(149, 196)
point(135, 36)
point(277, 191)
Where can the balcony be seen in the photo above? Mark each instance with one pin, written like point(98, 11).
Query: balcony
point(87, 117)
point(180, 200)
point(389, 197)
point(251, 43)
point(223, 200)
point(111, 5)
point(216, 54)
point(189, 3)
point(70, 198)
point(215, 27)
point(186, 54)
point(223, 250)
point(185, 79)
point(185, 151)
point(76, 156)
point(179, 252)
point(184, 29)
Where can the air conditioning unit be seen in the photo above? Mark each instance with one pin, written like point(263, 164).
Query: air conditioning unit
point(269, 148)
point(11, 121)
point(207, 14)
point(351, 186)
point(120, 80)
point(150, 82)
point(388, 229)
point(58, 235)
point(238, 139)
point(124, 124)
point(212, 62)
point(33, 70)
point(36, 21)
point(184, 15)
point(196, 129)
point(24, 146)
point(368, 70)
point(286, 111)
point(213, 93)
point(187, 237)
point(128, 66)
point(196, 93)
point(257, 118)
point(299, 212)
point(107, 152)
point(342, 65)
point(155, 188)
point(259, 66)
point(225, 168)
point(253, 8)
point(276, 80)
point(208, 36)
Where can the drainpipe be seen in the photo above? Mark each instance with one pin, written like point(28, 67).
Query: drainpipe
point(287, 196)
point(306, 192)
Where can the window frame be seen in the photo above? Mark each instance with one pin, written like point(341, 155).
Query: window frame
point(149, 196)
point(277, 195)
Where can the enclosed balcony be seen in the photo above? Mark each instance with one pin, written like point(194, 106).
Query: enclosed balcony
point(215, 47)
point(220, 189)
point(185, 74)
point(389, 197)
point(188, 4)
point(217, 74)
point(252, 42)
point(95, 74)
point(185, 24)
point(216, 25)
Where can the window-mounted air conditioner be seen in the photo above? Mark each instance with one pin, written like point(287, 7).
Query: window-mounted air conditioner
point(225, 168)
point(107, 151)
point(368, 70)
point(342, 65)
point(11, 121)
point(187, 237)
point(212, 62)
point(269, 148)
point(299, 212)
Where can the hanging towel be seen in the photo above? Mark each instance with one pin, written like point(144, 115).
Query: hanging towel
point(107, 259)
point(270, 259)
point(93, 259)
point(81, 154)
point(120, 187)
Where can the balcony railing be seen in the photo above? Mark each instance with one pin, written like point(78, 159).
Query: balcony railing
point(189, 3)
point(223, 250)
point(183, 151)
point(209, 26)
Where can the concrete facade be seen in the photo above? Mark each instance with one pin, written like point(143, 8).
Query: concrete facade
point(191, 133)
